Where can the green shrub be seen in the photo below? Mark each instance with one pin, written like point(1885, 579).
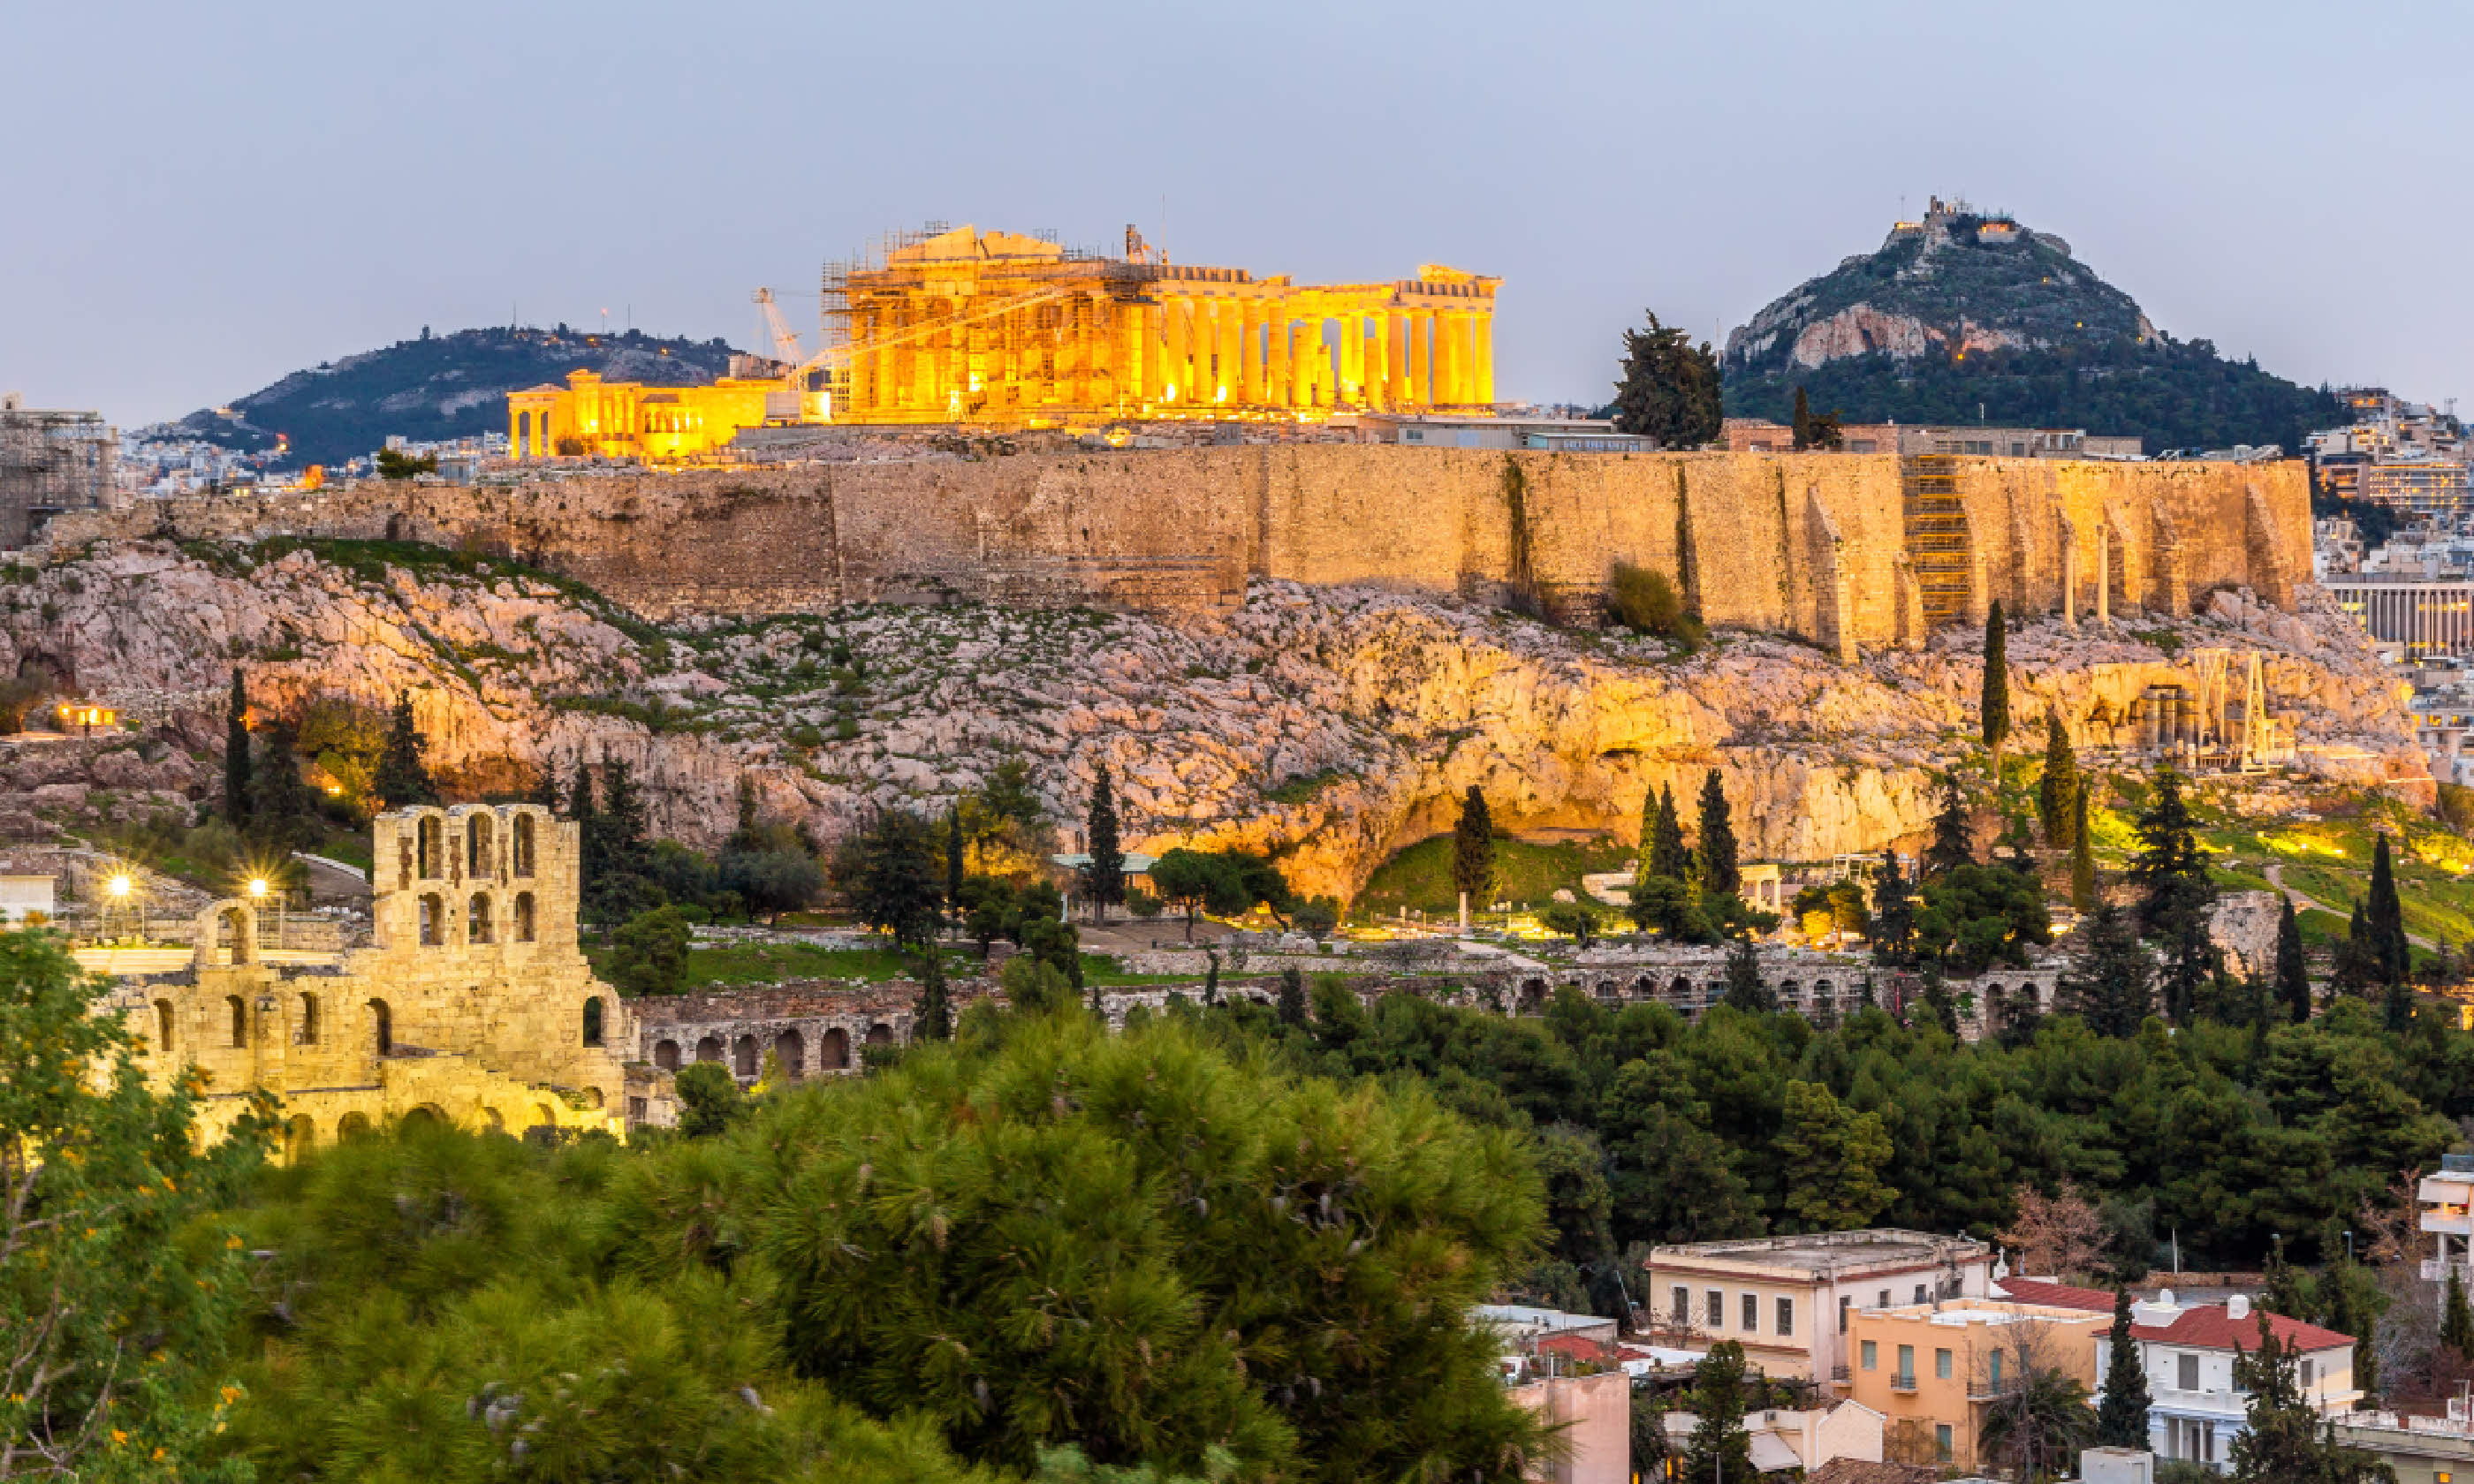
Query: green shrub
point(1645, 602)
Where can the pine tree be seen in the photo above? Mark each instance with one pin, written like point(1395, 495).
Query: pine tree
point(2386, 917)
point(2292, 977)
point(1994, 703)
point(2122, 1416)
point(2114, 988)
point(1894, 911)
point(545, 789)
point(283, 807)
point(1473, 851)
point(1745, 989)
point(1293, 996)
point(2354, 968)
point(1106, 884)
point(1952, 844)
point(1800, 423)
point(2456, 1317)
point(933, 1020)
point(1720, 1450)
point(2057, 792)
point(1669, 391)
point(402, 776)
point(2170, 867)
point(2082, 857)
point(236, 790)
point(1830, 1158)
point(1667, 856)
point(1720, 877)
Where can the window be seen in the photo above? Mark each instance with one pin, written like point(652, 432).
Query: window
point(1786, 1319)
point(1941, 1365)
point(308, 1020)
point(2187, 1372)
point(163, 1027)
point(1920, 1293)
point(1752, 1300)
point(1884, 1301)
point(1907, 1376)
point(239, 1019)
point(524, 845)
point(592, 1021)
point(1713, 1305)
point(1993, 1368)
point(480, 920)
point(434, 913)
point(2307, 1370)
point(428, 833)
point(1682, 1308)
point(477, 849)
point(1843, 1302)
point(382, 1027)
point(524, 917)
point(1872, 1355)
point(1941, 1441)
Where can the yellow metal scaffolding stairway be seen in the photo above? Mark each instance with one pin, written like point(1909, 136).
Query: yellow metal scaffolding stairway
point(1937, 536)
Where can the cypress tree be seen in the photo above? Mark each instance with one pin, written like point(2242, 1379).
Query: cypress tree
point(1993, 705)
point(2292, 977)
point(1802, 421)
point(953, 859)
point(1106, 883)
point(236, 790)
point(403, 776)
point(1292, 997)
point(2057, 792)
point(1720, 1450)
point(2122, 1416)
point(934, 1020)
point(2456, 1318)
point(2082, 857)
point(545, 790)
point(1745, 989)
point(1667, 856)
point(2170, 867)
point(1720, 877)
point(282, 809)
point(1894, 912)
point(1951, 848)
point(2386, 917)
point(1473, 851)
point(1211, 979)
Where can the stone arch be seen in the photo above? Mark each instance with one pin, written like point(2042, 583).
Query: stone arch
point(708, 1048)
point(480, 849)
point(543, 1118)
point(525, 848)
point(382, 1027)
point(593, 1021)
point(351, 1126)
point(299, 1135)
point(230, 919)
point(429, 834)
point(1608, 989)
point(665, 1055)
point(308, 1020)
point(480, 920)
point(429, 1114)
point(1533, 994)
point(742, 1056)
point(239, 1010)
point(164, 1018)
point(492, 1121)
point(790, 1049)
point(833, 1051)
point(1680, 991)
point(1790, 993)
point(526, 929)
point(433, 921)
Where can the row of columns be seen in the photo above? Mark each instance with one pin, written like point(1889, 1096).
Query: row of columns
point(2427, 617)
point(1181, 352)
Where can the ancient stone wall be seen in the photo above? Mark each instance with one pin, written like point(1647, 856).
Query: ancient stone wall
point(1809, 544)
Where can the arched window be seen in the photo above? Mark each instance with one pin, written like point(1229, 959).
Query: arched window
point(665, 1055)
point(299, 1135)
point(742, 1056)
point(709, 1049)
point(1680, 991)
point(592, 1021)
point(239, 1019)
point(524, 917)
point(433, 921)
point(382, 1027)
point(524, 845)
point(790, 1049)
point(429, 842)
point(879, 1034)
point(351, 1126)
point(477, 846)
point(832, 1052)
point(480, 925)
point(163, 1027)
point(308, 1020)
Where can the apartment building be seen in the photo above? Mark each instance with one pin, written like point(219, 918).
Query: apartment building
point(1788, 1300)
point(1934, 1370)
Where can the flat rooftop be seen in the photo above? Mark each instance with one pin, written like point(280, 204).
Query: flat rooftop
point(1826, 1253)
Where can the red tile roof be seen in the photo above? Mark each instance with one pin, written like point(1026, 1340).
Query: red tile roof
point(1580, 1347)
point(2032, 1290)
point(2210, 1328)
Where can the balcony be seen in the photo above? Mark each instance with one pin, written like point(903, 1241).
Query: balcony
point(2435, 1271)
point(1902, 1380)
point(2206, 1405)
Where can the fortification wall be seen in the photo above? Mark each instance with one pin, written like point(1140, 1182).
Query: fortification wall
point(1809, 544)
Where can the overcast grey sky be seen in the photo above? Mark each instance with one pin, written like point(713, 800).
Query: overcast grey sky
point(202, 198)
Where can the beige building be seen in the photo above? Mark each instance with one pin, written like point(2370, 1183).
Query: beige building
point(1789, 1299)
point(2418, 1449)
point(474, 1006)
point(1931, 1370)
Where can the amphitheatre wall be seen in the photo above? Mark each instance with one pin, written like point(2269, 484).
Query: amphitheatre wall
point(1809, 544)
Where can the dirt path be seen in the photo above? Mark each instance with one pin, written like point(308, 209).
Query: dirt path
point(2275, 874)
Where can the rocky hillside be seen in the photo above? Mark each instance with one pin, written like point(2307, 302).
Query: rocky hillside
point(436, 387)
point(1963, 312)
point(1330, 725)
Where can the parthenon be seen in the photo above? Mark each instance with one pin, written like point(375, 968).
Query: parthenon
point(964, 325)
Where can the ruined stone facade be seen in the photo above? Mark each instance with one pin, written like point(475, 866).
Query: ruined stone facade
point(1814, 545)
point(474, 1006)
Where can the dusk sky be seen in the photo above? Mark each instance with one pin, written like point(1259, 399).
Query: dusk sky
point(202, 197)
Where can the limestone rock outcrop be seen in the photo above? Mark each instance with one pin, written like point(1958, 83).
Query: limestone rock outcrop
point(1328, 724)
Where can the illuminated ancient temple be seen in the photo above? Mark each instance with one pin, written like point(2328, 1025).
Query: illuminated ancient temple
point(965, 326)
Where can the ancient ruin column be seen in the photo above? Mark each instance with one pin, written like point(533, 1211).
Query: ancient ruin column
point(1250, 353)
point(1404, 391)
point(1482, 358)
point(2104, 575)
point(1228, 385)
point(1422, 359)
point(1176, 386)
point(1378, 364)
point(2070, 576)
point(1275, 354)
point(1300, 379)
point(1352, 359)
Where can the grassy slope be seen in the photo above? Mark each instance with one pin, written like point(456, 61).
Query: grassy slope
point(1421, 876)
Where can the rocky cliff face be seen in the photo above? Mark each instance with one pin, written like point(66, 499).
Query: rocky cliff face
point(1330, 725)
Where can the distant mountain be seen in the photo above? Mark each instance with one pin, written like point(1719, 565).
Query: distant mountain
point(437, 387)
point(1965, 317)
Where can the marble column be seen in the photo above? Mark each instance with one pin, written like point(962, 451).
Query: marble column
point(1422, 358)
point(1482, 358)
point(1378, 364)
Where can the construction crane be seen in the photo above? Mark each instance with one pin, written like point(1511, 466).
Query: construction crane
point(785, 344)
